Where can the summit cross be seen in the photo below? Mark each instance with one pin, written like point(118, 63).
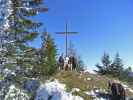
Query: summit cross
point(66, 33)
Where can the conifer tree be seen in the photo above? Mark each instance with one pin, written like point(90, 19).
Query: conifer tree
point(5, 12)
point(117, 66)
point(16, 30)
point(20, 30)
point(106, 63)
point(47, 64)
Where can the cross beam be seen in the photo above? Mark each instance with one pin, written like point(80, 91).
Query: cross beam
point(66, 33)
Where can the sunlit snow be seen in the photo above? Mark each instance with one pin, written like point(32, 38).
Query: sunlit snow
point(54, 91)
point(16, 94)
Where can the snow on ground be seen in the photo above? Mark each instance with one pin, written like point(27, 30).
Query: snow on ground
point(7, 72)
point(95, 95)
point(54, 91)
point(75, 90)
point(16, 94)
point(91, 93)
point(89, 71)
point(127, 88)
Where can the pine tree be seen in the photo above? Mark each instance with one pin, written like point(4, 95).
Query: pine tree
point(47, 64)
point(5, 12)
point(117, 66)
point(16, 30)
point(129, 69)
point(105, 67)
point(20, 30)
point(100, 70)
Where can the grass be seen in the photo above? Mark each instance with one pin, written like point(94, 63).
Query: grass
point(76, 80)
point(73, 79)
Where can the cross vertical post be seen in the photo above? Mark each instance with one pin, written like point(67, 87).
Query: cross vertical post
point(66, 39)
point(66, 33)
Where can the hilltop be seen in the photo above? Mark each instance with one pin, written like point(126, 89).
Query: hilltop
point(83, 84)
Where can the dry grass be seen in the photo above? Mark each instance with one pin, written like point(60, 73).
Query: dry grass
point(74, 79)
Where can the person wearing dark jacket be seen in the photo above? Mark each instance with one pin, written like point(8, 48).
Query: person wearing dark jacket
point(118, 92)
point(73, 63)
point(61, 62)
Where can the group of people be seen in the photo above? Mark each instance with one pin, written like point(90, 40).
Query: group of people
point(67, 63)
point(117, 90)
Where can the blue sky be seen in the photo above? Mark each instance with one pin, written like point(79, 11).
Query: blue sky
point(103, 25)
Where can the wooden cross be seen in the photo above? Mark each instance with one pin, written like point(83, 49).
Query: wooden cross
point(66, 33)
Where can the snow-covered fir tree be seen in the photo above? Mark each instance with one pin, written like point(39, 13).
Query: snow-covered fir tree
point(16, 29)
point(5, 12)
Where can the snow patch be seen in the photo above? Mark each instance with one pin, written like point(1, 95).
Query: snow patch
point(88, 79)
point(16, 94)
point(95, 94)
point(75, 90)
point(8, 73)
point(54, 91)
point(127, 88)
point(89, 71)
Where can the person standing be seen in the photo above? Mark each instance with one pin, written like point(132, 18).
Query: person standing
point(73, 63)
point(118, 92)
point(70, 63)
point(61, 62)
point(66, 61)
